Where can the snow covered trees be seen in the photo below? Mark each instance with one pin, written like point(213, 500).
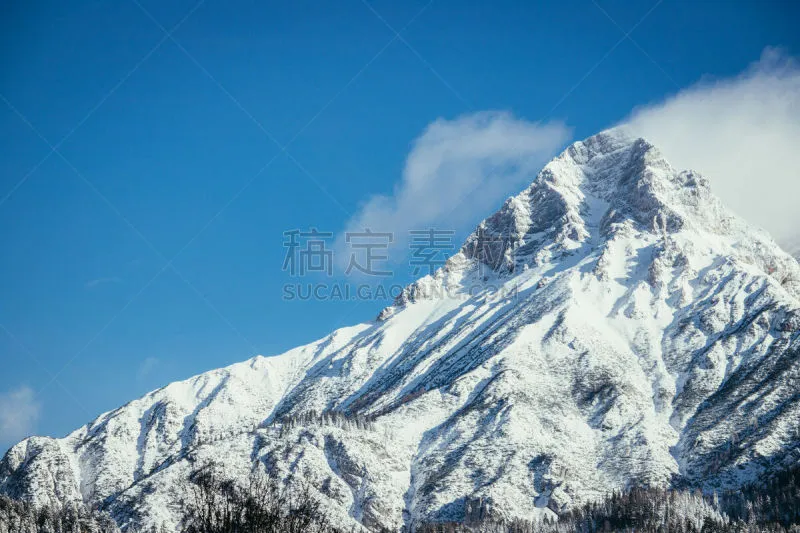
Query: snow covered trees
point(770, 507)
point(262, 505)
point(22, 517)
point(219, 505)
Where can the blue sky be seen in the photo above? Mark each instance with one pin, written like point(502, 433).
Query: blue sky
point(148, 246)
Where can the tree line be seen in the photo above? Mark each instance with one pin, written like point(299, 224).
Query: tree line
point(215, 504)
point(772, 506)
point(71, 517)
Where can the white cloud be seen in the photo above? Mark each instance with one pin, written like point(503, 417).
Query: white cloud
point(742, 133)
point(19, 413)
point(147, 366)
point(459, 171)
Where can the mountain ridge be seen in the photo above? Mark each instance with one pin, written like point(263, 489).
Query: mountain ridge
point(611, 325)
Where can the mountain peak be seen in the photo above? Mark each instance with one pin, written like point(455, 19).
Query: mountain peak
point(609, 184)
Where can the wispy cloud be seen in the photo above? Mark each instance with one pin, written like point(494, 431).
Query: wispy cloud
point(102, 281)
point(19, 412)
point(146, 367)
point(457, 170)
point(743, 133)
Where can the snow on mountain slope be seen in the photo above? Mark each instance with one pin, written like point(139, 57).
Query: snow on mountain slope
point(611, 325)
point(794, 248)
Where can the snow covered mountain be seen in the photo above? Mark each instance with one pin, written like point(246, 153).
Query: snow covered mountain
point(611, 325)
point(794, 248)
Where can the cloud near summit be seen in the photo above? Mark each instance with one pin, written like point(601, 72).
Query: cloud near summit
point(459, 169)
point(743, 134)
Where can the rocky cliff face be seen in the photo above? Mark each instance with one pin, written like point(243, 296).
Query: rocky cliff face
point(611, 325)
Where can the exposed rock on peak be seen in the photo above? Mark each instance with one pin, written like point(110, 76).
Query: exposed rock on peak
point(607, 185)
